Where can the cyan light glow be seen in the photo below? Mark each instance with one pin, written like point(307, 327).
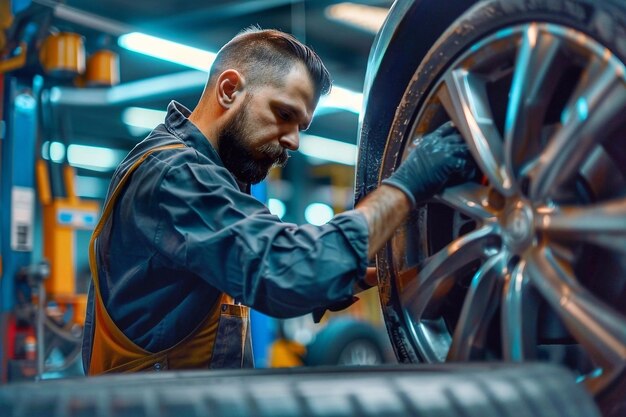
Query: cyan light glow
point(318, 213)
point(277, 207)
point(582, 108)
point(167, 50)
point(45, 150)
point(328, 149)
point(25, 102)
point(93, 157)
point(91, 187)
point(140, 117)
point(56, 151)
point(362, 16)
point(342, 99)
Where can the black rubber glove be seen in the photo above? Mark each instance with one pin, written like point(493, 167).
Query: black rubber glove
point(318, 313)
point(438, 159)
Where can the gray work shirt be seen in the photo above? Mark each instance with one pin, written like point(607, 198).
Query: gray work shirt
point(183, 231)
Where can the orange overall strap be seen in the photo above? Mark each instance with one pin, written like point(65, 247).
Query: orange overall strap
point(218, 341)
point(111, 349)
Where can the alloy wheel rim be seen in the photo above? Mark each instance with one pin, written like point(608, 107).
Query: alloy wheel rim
point(522, 228)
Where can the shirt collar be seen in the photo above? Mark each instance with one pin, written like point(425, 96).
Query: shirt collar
point(177, 121)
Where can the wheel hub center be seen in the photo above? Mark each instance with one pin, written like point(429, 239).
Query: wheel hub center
point(518, 226)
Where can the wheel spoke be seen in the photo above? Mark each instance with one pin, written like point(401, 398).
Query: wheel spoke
point(592, 72)
point(469, 198)
point(464, 98)
point(536, 71)
point(476, 245)
point(601, 224)
point(519, 317)
point(588, 120)
point(479, 307)
point(596, 326)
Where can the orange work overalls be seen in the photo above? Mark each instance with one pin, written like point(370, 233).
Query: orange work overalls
point(221, 340)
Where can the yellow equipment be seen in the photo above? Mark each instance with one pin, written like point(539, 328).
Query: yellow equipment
point(62, 55)
point(103, 69)
point(62, 217)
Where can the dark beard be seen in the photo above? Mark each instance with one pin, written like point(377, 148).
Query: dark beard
point(238, 159)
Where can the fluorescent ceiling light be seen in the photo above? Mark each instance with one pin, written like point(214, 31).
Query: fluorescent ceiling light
point(338, 99)
point(138, 131)
point(93, 157)
point(328, 149)
point(167, 50)
point(143, 118)
point(57, 151)
point(369, 18)
point(54, 151)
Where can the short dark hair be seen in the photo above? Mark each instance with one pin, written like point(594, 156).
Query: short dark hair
point(267, 55)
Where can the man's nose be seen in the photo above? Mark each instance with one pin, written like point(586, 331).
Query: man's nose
point(291, 139)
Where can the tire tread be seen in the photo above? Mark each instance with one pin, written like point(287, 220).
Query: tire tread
point(391, 391)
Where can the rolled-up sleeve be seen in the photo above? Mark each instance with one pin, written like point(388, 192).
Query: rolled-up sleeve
point(233, 242)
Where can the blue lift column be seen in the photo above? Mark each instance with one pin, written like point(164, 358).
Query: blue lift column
point(18, 196)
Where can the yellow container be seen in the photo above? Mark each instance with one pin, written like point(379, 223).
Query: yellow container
point(62, 55)
point(103, 69)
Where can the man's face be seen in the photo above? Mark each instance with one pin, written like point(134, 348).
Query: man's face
point(238, 154)
point(267, 125)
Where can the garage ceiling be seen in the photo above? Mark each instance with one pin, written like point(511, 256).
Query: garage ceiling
point(206, 25)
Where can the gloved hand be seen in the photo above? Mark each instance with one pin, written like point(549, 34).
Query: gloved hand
point(368, 281)
point(439, 158)
point(318, 313)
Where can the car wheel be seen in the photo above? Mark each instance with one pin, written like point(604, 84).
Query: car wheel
point(346, 342)
point(527, 262)
point(360, 352)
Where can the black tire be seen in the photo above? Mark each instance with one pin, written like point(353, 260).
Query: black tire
point(602, 21)
point(346, 342)
point(461, 391)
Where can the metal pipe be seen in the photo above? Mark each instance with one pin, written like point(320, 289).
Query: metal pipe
point(161, 86)
point(86, 19)
point(218, 13)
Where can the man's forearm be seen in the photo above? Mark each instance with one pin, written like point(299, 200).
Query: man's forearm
point(384, 210)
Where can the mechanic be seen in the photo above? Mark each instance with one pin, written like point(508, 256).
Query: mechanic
point(182, 247)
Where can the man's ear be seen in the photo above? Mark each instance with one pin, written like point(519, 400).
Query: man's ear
point(230, 85)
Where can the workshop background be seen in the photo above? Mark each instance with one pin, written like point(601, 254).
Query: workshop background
point(83, 82)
